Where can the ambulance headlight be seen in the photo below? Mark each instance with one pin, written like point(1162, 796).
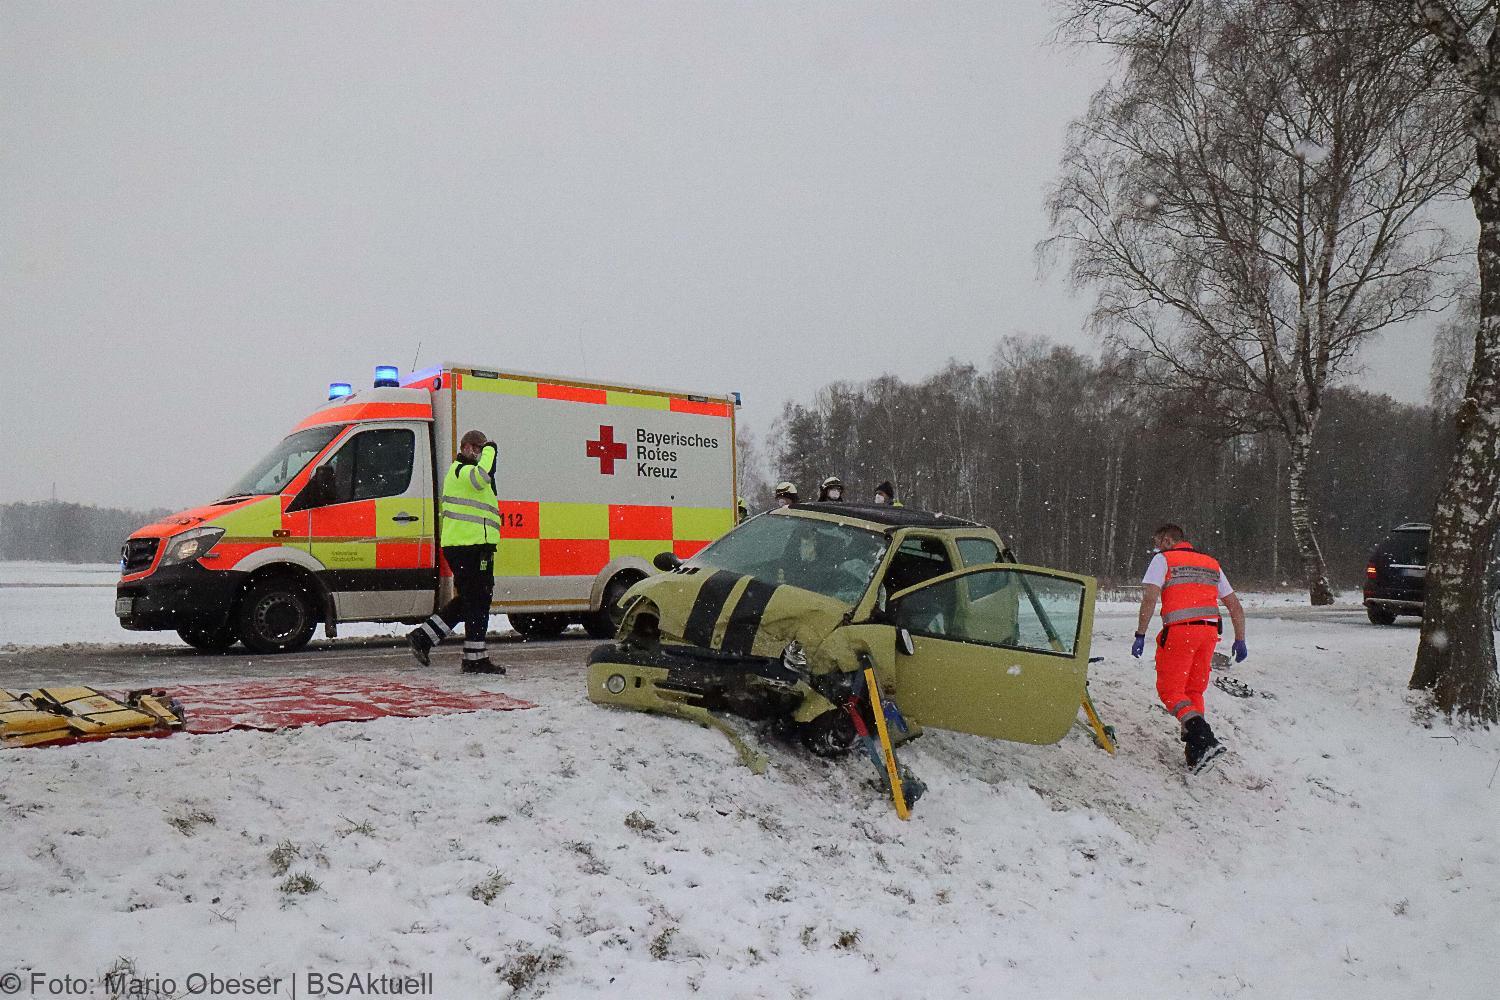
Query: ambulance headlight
point(338, 390)
point(387, 377)
point(191, 545)
point(615, 683)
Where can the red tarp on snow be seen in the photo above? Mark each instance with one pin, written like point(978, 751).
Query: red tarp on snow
point(316, 701)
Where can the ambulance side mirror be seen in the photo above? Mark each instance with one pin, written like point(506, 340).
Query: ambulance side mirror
point(319, 491)
point(666, 561)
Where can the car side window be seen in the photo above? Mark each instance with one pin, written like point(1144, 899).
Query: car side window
point(978, 551)
point(1000, 607)
point(918, 559)
point(373, 464)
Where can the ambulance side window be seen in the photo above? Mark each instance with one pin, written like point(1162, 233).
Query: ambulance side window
point(373, 464)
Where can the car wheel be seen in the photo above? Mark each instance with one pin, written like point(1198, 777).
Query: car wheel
point(539, 626)
point(209, 640)
point(275, 615)
point(1380, 616)
point(829, 735)
point(605, 623)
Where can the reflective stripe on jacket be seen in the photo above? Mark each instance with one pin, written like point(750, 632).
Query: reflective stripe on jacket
point(1191, 590)
point(470, 509)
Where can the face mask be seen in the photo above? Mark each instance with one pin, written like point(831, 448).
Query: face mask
point(880, 498)
point(835, 494)
point(783, 502)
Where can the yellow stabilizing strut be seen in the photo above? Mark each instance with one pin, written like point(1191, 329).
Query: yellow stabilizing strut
point(898, 795)
point(1101, 735)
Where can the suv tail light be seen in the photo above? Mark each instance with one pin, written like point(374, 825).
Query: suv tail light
point(1370, 570)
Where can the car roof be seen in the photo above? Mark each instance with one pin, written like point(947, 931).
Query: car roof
point(897, 517)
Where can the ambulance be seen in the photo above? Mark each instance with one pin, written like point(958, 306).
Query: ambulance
point(339, 522)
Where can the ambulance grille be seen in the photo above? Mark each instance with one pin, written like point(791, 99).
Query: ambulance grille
point(137, 555)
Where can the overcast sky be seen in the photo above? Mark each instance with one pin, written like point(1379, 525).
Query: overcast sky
point(210, 211)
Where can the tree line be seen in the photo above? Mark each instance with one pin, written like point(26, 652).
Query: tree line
point(58, 531)
point(1075, 466)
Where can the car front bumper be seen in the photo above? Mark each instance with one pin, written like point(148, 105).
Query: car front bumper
point(178, 597)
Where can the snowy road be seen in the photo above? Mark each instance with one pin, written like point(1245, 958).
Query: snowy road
point(140, 666)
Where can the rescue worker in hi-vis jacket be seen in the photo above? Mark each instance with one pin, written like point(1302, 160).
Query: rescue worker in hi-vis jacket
point(469, 527)
point(1190, 585)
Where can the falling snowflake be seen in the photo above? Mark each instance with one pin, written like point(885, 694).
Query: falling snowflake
point(1438, 639)
point(1015, 671)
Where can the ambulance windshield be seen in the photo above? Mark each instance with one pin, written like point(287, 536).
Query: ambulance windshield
point(272, 473)
point(828, 558)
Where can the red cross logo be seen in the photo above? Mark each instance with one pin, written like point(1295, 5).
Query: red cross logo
point(607, 450)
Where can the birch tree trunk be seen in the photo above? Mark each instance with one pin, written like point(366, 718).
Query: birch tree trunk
point(1314, 571)
point(1456, 658)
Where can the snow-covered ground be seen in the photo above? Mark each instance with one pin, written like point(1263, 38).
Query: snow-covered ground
point(1343, 850)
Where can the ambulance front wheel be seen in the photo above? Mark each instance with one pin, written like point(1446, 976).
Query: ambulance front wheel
point(209, 640)
point(276, 614)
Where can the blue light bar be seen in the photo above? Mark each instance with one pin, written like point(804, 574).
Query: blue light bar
point(387, 377)
point(337, 390)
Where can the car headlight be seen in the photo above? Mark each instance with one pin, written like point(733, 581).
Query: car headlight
point(191, 545)
point(794, 657)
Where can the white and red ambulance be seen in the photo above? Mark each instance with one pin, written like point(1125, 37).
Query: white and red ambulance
point(338, 523)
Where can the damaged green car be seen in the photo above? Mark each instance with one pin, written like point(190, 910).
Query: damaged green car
point(778, 619)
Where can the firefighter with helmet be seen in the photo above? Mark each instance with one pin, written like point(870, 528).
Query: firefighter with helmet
point(470, 532)
point(786, 494)
point(1190, 585)
point(831, 490)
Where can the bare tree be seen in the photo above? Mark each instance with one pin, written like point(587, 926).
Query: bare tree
point(1456, 657)
point(1453, 356)
point(1247, 200)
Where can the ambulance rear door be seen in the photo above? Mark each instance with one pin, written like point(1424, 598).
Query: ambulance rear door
point(371, 523)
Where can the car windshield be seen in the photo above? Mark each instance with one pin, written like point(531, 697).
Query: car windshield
point(272, 473)
point(835, 560)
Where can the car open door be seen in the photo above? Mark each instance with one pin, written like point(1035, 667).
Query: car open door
point(995, 650)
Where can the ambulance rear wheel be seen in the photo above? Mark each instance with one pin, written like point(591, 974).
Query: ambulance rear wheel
point(209, 640)
point(605, 623)
point(539, 626)
point(275, 615)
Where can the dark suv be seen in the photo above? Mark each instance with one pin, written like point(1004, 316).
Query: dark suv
point(1396, 577)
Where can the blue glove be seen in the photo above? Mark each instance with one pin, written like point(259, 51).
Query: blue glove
point(1240, 651)
point(1139, 646)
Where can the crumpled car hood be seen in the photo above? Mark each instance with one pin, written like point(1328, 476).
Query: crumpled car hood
point(736, 614)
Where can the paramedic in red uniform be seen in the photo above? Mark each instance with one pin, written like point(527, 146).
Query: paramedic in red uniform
point(1190, 585)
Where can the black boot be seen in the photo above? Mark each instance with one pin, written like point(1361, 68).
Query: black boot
point(421, 645)
point(1202, 746)
point(483, 666)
